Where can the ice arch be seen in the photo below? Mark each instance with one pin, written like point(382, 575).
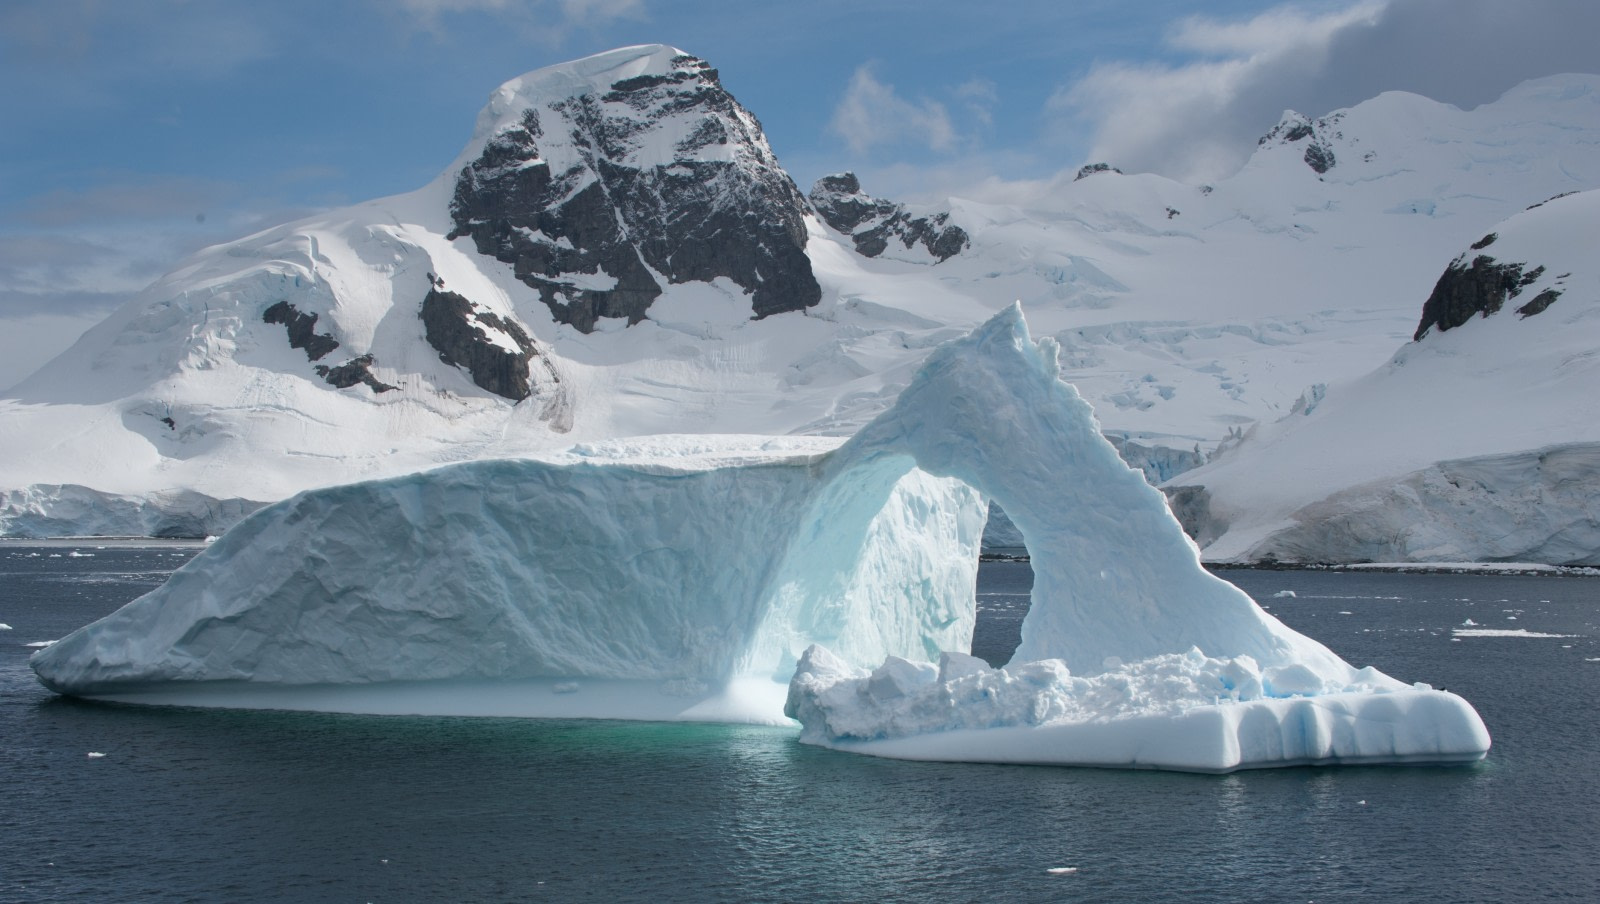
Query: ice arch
point(1132, 654)
point(687, 577)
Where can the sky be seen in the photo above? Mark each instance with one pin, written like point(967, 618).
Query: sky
point(137, 131)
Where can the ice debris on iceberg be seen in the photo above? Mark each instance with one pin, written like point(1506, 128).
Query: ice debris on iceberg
point(689, 577)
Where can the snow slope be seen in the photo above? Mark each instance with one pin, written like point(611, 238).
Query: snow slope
point(1478, 442)
point(1185, 313)
point(694, 570)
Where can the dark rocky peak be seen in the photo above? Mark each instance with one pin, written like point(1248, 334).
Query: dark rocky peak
point(1094, 169)
point(495, 351)
point(1481, 288)
point(1318, 137)
point(871, 223)
point(608, 177)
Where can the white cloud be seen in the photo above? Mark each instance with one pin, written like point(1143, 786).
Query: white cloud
point(549, 20)
point(1271, 32)
point(980, 96)
point(872, 113)
point(1198, 119)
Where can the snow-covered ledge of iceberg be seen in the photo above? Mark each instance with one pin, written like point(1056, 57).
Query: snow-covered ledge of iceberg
point(1132, 654)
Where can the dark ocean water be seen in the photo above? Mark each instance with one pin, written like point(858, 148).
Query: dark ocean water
point(198, 805)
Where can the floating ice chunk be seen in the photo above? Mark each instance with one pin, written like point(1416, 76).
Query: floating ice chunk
point(1283, 594)
point(95, 754)
point(1061, 870)
point(4, 627)
point(40, 644)
point(1505, 632)
point(1468, 623)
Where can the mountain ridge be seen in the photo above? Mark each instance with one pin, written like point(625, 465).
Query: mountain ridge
point(1184, 313)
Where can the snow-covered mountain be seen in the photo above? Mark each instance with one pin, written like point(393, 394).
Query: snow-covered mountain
point(1478, 441)
point(616, 251)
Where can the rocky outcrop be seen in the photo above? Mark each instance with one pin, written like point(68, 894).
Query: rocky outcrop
point(1091, 169)
point(1318, 136)
point(357, 370)
point(302, 334)
point(302, 329)
point(597, 197)
point(496, 351)
point(871, 223)
point(1479, 288)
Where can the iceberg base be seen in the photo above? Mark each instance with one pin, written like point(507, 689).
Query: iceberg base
point(748, 701)
point(1433, 727)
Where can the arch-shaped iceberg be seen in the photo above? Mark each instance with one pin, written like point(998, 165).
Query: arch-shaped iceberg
point(690, 577)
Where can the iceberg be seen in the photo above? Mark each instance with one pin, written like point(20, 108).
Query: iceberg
point(729, 578)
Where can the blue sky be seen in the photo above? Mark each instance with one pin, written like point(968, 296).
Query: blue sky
point(138, 131)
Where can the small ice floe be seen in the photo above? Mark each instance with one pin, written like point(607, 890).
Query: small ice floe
point(1061, 870)
point(1591, 659)
point(80, 555)
point(1468, 623)
point(1346, 612)
point(4, 626)
point(1504, 632)
point(39, 644)
point(1361, 803)
point(95, 754)
point(1283, 595)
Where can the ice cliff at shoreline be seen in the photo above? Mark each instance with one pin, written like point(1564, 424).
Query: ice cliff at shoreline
point(683, 577)
point(1479, 440)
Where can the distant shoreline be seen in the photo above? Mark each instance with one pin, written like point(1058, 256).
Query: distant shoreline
point(1490, 568)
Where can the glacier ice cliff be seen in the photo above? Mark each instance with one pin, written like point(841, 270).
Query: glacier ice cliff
point(687, 577)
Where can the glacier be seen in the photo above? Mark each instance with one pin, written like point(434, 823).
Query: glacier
point(689, 577)
point(1477, 441)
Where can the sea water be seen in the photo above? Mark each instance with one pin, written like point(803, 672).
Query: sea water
point(205, 805)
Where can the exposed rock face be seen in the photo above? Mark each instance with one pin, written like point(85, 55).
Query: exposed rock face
point(1480, 288)
point(872, 222)
point(494, 350)
point(1317, 134)
point(302, 334)
point(356, 370)
point(596, 197)
point(1091, 169)
point(302, 330)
